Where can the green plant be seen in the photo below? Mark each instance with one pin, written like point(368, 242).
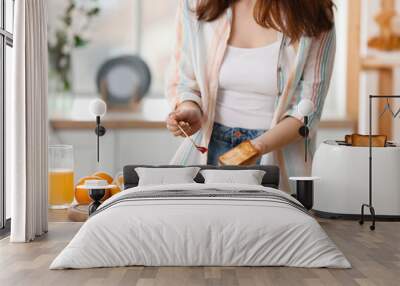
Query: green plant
point(70, 32)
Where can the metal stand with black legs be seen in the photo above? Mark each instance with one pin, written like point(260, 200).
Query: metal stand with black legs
point(370, 205)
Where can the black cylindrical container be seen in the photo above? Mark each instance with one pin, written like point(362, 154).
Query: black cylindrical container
point(305, 193)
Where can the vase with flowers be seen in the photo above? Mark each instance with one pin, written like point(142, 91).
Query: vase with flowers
point(69, 32)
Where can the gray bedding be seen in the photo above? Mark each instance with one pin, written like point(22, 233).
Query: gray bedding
point(205, 193)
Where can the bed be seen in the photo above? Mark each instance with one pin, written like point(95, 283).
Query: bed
point(199, 224)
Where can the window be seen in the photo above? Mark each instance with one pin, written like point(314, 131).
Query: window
point(6, 43)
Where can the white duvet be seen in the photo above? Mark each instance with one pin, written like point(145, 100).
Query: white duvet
point(200, 232)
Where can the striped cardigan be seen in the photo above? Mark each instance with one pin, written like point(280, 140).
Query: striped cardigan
point(303, 72)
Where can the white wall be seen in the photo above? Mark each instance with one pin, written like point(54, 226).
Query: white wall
point(369, 80)
point(335, 106)
point(115, 32)
point(111, 33)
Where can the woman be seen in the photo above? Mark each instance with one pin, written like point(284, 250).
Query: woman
point(239, 70)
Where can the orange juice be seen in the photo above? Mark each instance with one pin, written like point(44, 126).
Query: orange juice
point(61, 188)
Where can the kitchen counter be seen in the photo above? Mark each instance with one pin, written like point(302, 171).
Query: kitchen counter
point(151, 114)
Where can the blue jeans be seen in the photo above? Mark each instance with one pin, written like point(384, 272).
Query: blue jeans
point(225, 138)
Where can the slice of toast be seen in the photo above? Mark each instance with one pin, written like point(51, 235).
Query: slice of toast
point(363, 140)
point(358, 140)
point(243, 154)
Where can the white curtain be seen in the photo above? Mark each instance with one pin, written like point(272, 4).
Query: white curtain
point(26, 117)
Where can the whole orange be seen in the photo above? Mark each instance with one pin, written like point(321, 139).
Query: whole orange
point(119, 185)
point(120, 181)
point(104, 176)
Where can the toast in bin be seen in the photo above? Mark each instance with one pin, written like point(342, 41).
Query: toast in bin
point(243, 154)
point(357, 140)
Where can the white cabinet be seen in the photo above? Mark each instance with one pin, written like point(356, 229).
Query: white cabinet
point(118, 148)
point(146, 146)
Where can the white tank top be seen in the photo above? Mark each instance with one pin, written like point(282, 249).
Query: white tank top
point(248, 87)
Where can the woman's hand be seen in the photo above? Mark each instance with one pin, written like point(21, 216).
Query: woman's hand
point(284, 133)
point(188, 115)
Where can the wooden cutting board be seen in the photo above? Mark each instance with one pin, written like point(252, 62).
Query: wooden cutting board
point(78, 213)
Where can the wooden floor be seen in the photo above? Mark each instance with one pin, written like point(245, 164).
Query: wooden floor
point(375, 257)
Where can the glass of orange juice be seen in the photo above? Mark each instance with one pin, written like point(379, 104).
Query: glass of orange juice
point(61, 176)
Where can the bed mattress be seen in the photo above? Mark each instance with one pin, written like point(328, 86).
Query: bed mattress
point(201, 225)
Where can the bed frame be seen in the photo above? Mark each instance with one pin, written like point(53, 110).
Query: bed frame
point(270, 179)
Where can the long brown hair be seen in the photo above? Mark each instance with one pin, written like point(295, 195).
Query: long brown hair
point(294, 18)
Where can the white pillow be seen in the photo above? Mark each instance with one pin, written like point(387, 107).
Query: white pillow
point(166, 176)
point(248, 177)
